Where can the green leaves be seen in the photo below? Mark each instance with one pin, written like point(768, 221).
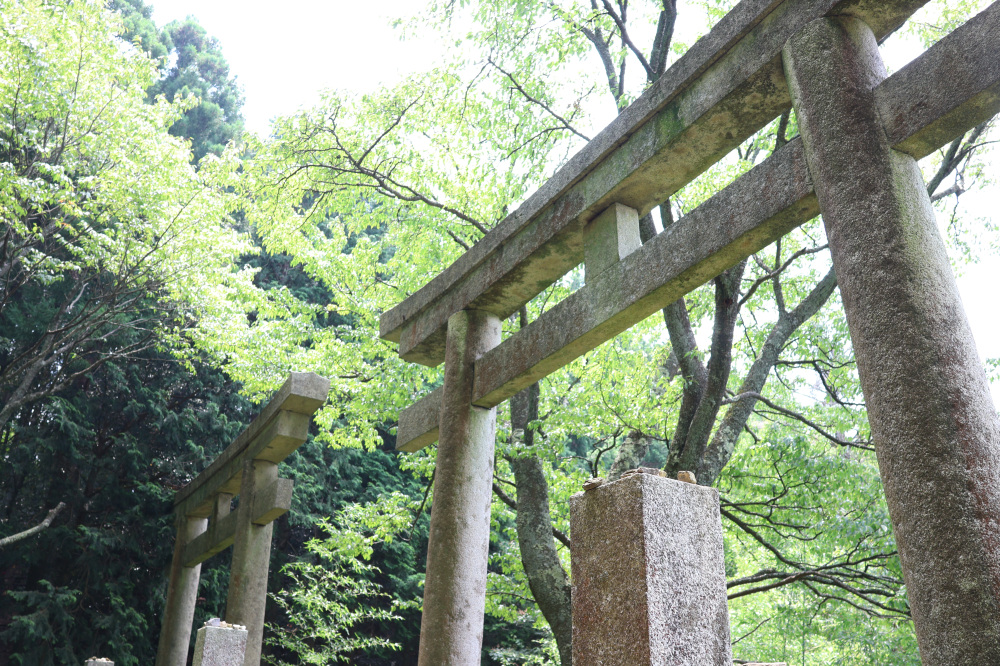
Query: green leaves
point(331, 598)
point(100, 205)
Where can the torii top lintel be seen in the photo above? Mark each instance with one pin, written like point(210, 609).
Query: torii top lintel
point(946, 91)
point(725, 88)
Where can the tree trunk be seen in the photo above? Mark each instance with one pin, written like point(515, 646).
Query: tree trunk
point(546, 577)
point(724, 442)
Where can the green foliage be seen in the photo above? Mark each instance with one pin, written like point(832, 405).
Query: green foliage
point(111, 242)
point(372, 195)
point(114, 448)
point(100, 206)
point(139, 28)
point(108, 227)
point(45, 625)
point(939, 17)
point(191, 65)
point(335, 591)
point(196, 68)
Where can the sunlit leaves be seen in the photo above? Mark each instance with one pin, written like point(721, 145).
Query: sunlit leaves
point(100, 205)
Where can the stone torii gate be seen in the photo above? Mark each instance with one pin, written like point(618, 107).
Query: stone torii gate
point(248, 468)
point(936, 431)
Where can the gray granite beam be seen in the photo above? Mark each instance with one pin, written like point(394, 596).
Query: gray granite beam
point(768, 202)
point(278, 430)
point(418, 423)
point(211, 542)
point(282, 435)
point(218, 536)
point(749, 214)
point(725, 88)
point(948, 90)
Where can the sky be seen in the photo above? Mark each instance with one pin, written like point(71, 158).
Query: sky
point(283, 54)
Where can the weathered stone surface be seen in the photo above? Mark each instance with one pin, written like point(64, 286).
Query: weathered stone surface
point(278, 438)
point(609, 238)
point(936, 431)
point(220, 646)
point(951, 88)
point(247, 597)
point(182, 595)
point(753, 211)
point(272, 502)
point(418, 423)
point(686, 477)
point(269, 504)
point(451, 627)
point(649, 581)
point(218, 536)
point(724, 88)
point(98, 661)
point(278, 430)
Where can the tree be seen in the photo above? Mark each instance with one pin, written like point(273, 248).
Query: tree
point(114, 448)
point(101, 207)
point(14, 538)
point(196, 67)
point(111, 245)
point(191, 64)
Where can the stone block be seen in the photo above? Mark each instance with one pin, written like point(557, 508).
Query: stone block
point(220, 644)
point(649, 581)
point(609, 238)
point(98, 661)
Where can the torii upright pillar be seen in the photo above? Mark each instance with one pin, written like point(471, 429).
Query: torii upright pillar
point(451, 628)
point(936, 431)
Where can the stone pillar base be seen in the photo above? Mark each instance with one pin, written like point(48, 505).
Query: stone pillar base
point(649, 580)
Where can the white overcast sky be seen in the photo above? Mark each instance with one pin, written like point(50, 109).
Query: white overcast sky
point(283, 53)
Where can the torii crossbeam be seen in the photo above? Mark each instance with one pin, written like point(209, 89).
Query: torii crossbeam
point(936, 432)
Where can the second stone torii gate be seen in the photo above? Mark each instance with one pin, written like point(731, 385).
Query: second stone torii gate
point(936, 433)
point(205, 526)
